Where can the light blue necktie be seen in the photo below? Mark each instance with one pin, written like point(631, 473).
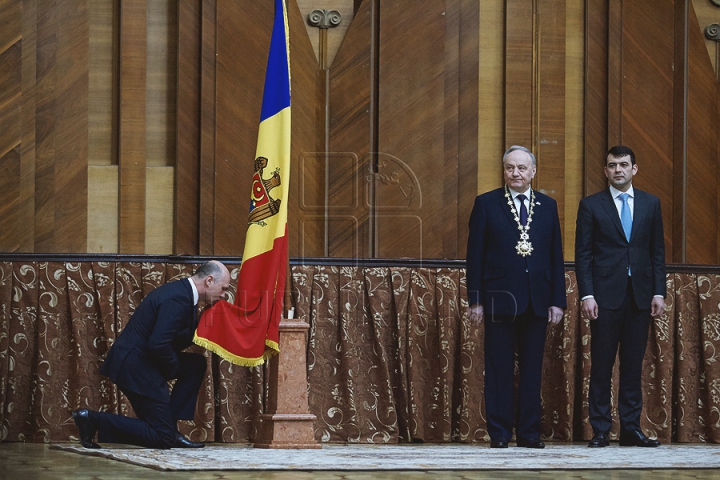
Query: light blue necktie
point(625, 217)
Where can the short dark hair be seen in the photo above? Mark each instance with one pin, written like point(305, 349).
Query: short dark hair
point(522, 149)
point(620, 151)
point(211, 268)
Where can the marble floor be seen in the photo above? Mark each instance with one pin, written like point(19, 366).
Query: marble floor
point(25, 461)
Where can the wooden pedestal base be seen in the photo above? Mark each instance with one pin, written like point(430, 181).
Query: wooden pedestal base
point(288, 423)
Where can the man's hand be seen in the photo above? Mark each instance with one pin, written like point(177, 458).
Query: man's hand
point(590, 308)
point(657, 307)
point(555, 314)
point(476, 313)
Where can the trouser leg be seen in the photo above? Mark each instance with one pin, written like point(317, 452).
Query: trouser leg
point(499, 375)
point(183, 398)
point(531, 350)
point(633, 341)
point(155, 426)
point(605, 333)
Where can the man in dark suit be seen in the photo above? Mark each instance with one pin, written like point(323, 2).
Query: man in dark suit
point(620, 268)
point(516, 283)
point(147, 354)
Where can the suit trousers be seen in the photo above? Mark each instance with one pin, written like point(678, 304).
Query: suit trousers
point(626, 327)
point(156, 422)
point(502, 335)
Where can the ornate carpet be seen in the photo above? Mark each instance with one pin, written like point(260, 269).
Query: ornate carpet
point(412, 457)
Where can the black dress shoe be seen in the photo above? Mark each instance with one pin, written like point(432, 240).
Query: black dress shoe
point(86, 427)
point(636, 438)
point(600, 439)
point(499, 443)
point(530, 444)
point(182, 442)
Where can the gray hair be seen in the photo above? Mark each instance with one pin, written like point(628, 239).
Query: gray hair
point(522, 149)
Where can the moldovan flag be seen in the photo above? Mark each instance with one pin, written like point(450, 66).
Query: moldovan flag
point(246, 333)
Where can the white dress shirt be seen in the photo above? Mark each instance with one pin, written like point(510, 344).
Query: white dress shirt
point(618, 203)
point(196, 295)
point(514, 195)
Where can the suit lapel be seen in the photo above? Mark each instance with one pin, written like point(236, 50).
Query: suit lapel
point(610, 208)
point(193, 317)
point(511, 218)
point(639, 212)
point(508, 212)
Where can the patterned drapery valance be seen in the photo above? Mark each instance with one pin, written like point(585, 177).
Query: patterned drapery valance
point(390, 357)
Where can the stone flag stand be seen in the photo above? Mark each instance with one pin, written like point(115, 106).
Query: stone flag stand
point(288, 422)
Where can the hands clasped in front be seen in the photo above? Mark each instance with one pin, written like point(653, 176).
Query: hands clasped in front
point(476, 313)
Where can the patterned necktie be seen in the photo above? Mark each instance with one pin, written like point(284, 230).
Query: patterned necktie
point(523, 210)
point(625, 217)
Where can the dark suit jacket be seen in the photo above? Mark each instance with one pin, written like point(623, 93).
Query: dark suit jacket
point(145, 355)
point(497, 276)
point(603, 255)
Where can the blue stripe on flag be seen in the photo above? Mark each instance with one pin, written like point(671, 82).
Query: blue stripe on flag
point(276, 95)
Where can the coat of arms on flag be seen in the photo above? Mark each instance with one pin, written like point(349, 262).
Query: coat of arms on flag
point(262, 205)
point(246, 332)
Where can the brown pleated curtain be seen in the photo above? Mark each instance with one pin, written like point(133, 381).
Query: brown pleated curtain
point(390, 357)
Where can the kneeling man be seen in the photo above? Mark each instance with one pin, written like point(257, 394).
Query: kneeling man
point(147, 354)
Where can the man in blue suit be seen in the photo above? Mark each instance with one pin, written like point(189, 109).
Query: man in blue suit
point(620, 268)
point(516, 284)
point(147, 354)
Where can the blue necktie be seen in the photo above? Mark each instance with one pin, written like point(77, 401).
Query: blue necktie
point(523, 210)
point(625, 217)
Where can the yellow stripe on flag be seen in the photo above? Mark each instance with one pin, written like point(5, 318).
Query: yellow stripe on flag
point(273, 144)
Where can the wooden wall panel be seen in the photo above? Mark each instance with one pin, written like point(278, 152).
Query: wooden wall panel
point(707, 12)
point(307, 172)
point(680, 85)
point(615, 75)
point(468, 123)
point(10, 97)
point(520, 74)
point(208, 99)
point(102, 84)
point(596, 95)
point(47, 34)
point(61, 115)
point(103, 208)
point(161, 91)
point(351, 130)
point(11, 46)
point(410, 215)
point(647, 99)
point(491, 102)
point(574, 121)
point(9, 199)
point(416, 99)
point(187, 159)
point(242, 49)
point(102, 228)
point(549, 146)
point(703, 100)
point(159, 218)
point(132, 125)
point(451, 133)
point(26, 230)
point(71, 145)
point(234, 50)
point(336, 35)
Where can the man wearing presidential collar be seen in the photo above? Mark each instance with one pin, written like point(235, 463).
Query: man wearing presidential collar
point(516, 284)
point(620, 268)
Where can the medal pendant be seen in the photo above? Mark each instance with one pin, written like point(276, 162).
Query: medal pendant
point(524, 248)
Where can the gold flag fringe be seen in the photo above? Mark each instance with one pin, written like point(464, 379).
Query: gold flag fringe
point(271, 349)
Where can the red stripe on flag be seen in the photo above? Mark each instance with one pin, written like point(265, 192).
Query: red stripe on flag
point(247, 332)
